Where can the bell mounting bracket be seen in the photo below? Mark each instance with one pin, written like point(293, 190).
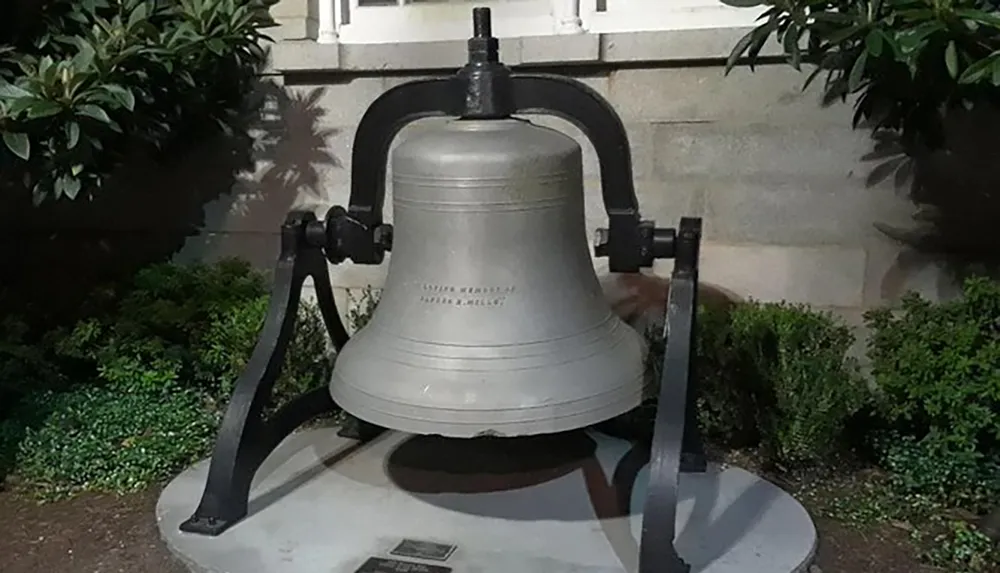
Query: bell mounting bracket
point(483, 89)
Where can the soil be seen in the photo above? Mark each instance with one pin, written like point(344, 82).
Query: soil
point(108, 534)
point(88, 534)
point(882, 548)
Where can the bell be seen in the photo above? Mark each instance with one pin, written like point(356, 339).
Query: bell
point(492, 320)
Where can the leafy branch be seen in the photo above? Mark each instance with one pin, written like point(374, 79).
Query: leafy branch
point(102, 78)
point(906, 61)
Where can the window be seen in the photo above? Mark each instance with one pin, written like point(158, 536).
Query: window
point(391, 21)
point(610, 16)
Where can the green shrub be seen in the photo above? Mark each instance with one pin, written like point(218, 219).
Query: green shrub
point(231, 336)
point(935, 469)
point(961, 548)
point(194, 327)
point(361, 307)
point(726, 409)
point(937, 366)
point(25, 364)
point(20, 417)
point(156, 371)
point(87, 82)
point(102, 439)
point(803, 384)
point(777, 376)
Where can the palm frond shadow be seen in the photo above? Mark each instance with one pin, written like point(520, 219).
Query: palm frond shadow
point(294, 144)
point(956, 190)
point(157, 205)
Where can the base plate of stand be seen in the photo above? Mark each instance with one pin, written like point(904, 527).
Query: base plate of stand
point(423, 504)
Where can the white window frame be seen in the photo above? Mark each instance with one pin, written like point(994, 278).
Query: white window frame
point(430, 22)
point(345, 22)
point(620, 16)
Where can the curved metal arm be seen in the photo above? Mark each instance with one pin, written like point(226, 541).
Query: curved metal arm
point(246, 437)
point(386, 116)
point(580, 105)
point(673, 425)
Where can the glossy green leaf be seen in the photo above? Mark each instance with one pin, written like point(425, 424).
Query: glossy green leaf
point(103, 58)
point(217, 46)
point(844, 34)
point(94, 111)
point(138, 15)
point(913, 39)
point(995, 68)
point(26, 63)
point(874, 42)
point(761, 36)
point(42, 108)
point(226, 129)
point(84, 57)
point(47, 70)
point(980, 17)
point(12, 91)
point(38, 194)
point(857, 72)
point(976, 71)
point(951, 59)
point(20, 105)
point(18, 144)
point(121, 95)
point(791, 45)
point(742, 3)
point(897, 51)
point(738, 50)
point(67, 186)
point(72, 134)
point(832, 17)
point(916, 14)
point(812, 77)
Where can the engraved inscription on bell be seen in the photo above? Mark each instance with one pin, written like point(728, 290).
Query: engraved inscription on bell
point(465, 296)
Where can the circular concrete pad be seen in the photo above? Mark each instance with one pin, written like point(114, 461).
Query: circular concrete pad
point(551, 504)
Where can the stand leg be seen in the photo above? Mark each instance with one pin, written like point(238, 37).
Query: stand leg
point(245, 438)
point(657, 553)
point(693, 458)
point(352, 428)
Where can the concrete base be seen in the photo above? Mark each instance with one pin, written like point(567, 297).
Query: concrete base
point(551, 504)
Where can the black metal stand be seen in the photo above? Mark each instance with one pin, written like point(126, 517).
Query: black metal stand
point(483, 89)
point(676, 429)
point(245, 437)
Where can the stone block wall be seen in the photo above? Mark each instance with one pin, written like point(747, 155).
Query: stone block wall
point(779, 180)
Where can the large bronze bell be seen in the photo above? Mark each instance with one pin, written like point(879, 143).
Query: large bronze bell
point(492, 320)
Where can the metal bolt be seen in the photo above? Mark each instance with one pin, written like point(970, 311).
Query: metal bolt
point(601, 237)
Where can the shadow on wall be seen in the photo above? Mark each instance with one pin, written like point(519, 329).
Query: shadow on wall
point(54, 255)
point(291, 149)
point(957, 192)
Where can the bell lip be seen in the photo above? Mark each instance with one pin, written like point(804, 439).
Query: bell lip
point(411, 410)
point(617, 402)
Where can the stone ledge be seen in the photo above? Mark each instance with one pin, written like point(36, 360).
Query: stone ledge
point(297, 56)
